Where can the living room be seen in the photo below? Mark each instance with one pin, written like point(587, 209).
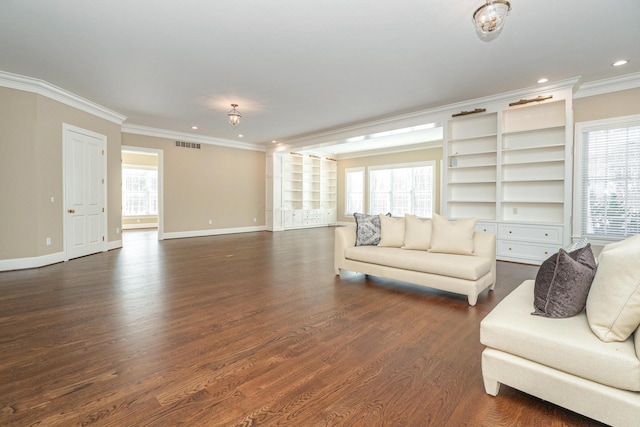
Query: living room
point(216, 185)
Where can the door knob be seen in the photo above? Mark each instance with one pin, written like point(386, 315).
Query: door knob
point(72, 211)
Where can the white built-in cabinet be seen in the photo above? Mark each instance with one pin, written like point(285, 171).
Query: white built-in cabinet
point(510, 166)
point(302, 191)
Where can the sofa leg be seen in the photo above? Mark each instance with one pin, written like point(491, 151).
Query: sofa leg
point(493, 286)
point(492, 387)
point(473, 299)
point(337, 270)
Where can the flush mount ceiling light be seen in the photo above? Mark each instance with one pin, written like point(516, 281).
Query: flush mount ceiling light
point(234, 116)
point(489, 19)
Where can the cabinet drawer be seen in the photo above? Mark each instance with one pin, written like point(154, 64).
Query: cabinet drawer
point(531, 233)
point(489, 227)
point(525, 251)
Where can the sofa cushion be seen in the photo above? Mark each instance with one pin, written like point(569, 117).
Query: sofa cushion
point(613, 305)
point(367, 229)
point(417, 233)
point(458, 266)
point(566, 344)
point(452, 237)
point(562, 283)
point(391, 231)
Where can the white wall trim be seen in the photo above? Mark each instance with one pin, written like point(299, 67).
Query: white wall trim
point(40, 87)
point(390, 150)
point(346, 224)
point(140, 225)
point(32, 262)
point(615, 84)
point(417, 117)
point(190, 137)
point(216, 232)
point(116, 244)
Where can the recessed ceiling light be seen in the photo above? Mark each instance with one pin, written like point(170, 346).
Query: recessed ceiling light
point(543, 80)
point(620, 62)
point(240, 136)
point(274, 141)
point(194, 127)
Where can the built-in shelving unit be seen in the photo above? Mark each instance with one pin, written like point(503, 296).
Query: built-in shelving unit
point(471, 167)
point(510, 167)
point(309, 191)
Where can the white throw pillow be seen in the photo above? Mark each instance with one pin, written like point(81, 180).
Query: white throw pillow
point(613, 304)
point(452, 237)
point(392, 231)
point(417, 233)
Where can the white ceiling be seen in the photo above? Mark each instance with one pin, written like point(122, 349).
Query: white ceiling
point(298, 68)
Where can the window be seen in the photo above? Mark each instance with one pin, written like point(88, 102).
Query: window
point(354, 200)
point(608, 179)
point(401, 189)
point(139, 190)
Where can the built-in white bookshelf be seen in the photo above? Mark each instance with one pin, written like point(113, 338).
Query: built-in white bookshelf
point(471, 166)
point(309, 191)
point(509, 166)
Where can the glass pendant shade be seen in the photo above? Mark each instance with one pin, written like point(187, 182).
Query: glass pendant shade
point(234, 116)
point(489, 19)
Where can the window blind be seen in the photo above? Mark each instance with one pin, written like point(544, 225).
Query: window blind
point(610, 198)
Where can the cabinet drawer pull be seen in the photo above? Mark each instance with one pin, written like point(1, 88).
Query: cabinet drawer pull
point(546, 234)
point(510, 232)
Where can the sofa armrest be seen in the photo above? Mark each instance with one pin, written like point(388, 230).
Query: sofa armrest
point(484, 245)
point(345, 237)
point(636, 337)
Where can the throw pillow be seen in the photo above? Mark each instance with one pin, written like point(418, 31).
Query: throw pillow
point(392, 231)
point(563, 282)
point(613, 304)
point(580, 243)
point(367, 229)
point(417, 233)
point(452, 237)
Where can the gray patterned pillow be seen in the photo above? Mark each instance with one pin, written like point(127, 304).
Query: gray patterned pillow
point(563, 283)
point(368, 229)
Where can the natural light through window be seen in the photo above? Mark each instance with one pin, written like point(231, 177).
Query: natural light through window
point(401, 189)
point(139, 191)
point(610, 179)
point(354, 178)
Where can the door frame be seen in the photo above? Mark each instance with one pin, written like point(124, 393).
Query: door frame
point(104, 223)
point(160, 154)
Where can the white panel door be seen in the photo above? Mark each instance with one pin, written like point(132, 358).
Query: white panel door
point(84, 186)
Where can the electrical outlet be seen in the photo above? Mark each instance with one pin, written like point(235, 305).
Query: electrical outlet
point(53, 199)
point(117, 230)
point(48, 241)
point(210, 221)
point(254, 220)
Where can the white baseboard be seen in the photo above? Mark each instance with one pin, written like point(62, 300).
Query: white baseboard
point(116, 244)
point(216, 232)
point(32, 262)
point(141, 225)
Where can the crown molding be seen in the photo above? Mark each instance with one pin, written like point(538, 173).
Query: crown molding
point(435, 114)
point(614, 84)
point(190, 137)
point(40, 87)
point(390, 150)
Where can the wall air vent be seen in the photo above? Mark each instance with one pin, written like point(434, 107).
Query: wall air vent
point(187, 144)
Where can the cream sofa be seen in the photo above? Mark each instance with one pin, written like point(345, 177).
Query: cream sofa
point(588, 363)
point(463, 274)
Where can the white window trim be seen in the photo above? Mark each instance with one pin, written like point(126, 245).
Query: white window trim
point(431, 163)
point(346, 189)
point(145, 167)
point(580, 129)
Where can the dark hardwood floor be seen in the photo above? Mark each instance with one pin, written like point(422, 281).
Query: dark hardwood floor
point(246, 329)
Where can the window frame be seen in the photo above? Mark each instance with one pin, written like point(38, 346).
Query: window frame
point(580, 129)
point(141, 167)
point(347, 171)
point(426, 163)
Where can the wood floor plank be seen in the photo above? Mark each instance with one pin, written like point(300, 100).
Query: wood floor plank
point(246, 329)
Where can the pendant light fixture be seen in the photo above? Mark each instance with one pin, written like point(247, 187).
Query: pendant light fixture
point(489, 19)
point(234, 116)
